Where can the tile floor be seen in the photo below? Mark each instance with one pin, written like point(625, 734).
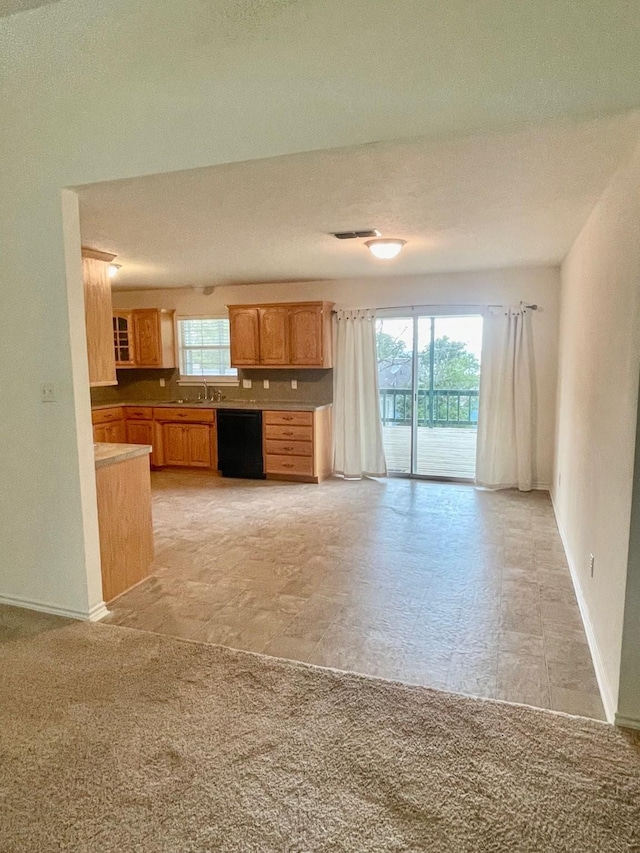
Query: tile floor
point(437, 584)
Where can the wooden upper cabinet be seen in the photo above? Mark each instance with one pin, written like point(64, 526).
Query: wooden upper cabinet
point(123, 339)
point(97, 308)
point(274, 335)
point(244, 333)
point(281, 335)
point(153, 337)
point(307, 336)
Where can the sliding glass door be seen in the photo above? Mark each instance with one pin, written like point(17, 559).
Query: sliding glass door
point(429, 377)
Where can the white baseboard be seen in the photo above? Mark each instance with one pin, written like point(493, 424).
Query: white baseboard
point(606, 694)
point(97, 612)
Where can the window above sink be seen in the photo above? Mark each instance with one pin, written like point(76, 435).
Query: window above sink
point(204, 351)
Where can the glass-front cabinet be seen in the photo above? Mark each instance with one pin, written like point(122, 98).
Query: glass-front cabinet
point(123, 338)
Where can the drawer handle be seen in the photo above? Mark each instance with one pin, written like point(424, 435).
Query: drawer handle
point(287, 433)
point(288, 447)
point(287, 465)
point(181, 414)
point(287, 418)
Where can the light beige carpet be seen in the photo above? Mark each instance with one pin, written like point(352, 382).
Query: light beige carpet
point(117, 740)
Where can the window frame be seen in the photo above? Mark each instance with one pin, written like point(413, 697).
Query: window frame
point(213, 378)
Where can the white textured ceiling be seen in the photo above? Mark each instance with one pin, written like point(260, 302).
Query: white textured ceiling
point(490, 201)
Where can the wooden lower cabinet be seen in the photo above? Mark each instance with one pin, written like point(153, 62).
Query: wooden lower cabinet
point(298, 445)
point(109, 425)
point(185, 437)
point(140, 432)
point(116, 432)
point(187, 445)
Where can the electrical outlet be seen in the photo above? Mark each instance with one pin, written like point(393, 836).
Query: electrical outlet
point(265, 384)
point(163, 382)
point(294, 384)
point(48, 392)
point(246, 383)
point(592, 561)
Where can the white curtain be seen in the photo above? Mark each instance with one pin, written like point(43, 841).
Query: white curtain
point(504, 457)
point(357, 433)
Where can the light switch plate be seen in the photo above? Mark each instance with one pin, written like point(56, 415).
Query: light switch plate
point(265, 383)
point(48, 392)
point(294, 384)
point(246, 383)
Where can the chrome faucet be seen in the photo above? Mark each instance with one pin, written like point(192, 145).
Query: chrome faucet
point(206, 390)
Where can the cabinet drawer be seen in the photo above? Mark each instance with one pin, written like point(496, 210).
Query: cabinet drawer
point(288, 418)
point(182, 415)
point(139, 413)
point(289, 465)
point(289, 448)
point(105, 416)
point(288, 433)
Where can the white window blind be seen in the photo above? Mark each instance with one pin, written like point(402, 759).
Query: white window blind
point(204, 348)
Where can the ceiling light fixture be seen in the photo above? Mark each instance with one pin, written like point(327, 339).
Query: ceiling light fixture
point(385, 248)
point(113, 270)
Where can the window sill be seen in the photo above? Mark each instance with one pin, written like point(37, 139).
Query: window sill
point(212, 381)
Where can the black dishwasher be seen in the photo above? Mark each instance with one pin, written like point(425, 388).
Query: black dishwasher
point(240, 443)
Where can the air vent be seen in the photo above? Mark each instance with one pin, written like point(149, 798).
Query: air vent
point(353, 235)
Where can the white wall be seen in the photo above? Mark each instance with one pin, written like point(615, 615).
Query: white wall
point(597, 404)
point(540, 285)
point(94, 90)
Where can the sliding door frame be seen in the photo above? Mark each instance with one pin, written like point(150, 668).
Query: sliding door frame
point(415, 313)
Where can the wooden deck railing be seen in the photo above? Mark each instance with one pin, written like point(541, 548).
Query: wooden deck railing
point(446, 408)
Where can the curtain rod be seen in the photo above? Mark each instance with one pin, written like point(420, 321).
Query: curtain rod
point(533, 307)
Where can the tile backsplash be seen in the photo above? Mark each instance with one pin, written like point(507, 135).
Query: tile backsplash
point(314, 386)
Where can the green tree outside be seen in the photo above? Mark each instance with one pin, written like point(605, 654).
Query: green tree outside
point(455, 369)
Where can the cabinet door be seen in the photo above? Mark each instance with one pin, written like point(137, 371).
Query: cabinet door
point(305, 342)
point(245, 336)
point(146, 337)
point(97, 308)
point(123, 339)
point(116, 432)
point(174, 445)
point(100, 432)
point(198, 437)
point(274, 335)
point(140, 432)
